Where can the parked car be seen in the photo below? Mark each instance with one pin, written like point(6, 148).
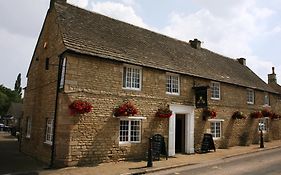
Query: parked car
point(2, 126)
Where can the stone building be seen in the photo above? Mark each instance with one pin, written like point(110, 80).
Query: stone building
point(82, 55)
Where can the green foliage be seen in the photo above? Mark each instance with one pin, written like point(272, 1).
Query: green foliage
point(7, 96)
point(18, 88)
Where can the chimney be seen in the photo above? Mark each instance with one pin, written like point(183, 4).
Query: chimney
point(52, 2)
point(196, 44)
point(242, 61)
point(272, 77)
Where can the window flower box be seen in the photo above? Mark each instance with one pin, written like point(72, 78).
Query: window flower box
point(209, 113)
point(80, 107)
point(238, 115)
point(164, 112)
point(126, 109)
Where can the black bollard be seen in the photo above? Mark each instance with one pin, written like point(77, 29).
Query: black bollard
point(261, 140)
point(149, 159)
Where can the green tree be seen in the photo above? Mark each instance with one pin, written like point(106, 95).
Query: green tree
point(18, 88)
point(7, 96)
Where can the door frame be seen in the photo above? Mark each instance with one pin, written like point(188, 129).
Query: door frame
point(188, 111)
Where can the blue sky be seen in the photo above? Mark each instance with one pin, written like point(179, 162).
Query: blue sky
point(233, 28)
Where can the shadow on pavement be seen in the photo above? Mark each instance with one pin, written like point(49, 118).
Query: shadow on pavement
point(14, 162)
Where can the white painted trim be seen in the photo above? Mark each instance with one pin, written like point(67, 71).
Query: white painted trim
point(189, 128)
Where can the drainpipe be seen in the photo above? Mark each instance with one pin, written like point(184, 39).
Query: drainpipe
point(53, 148)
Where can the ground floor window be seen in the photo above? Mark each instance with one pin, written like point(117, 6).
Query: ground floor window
point(28, 127)
point(49, 131)
point(216, 128)
point(263, 124)
point(130, 131)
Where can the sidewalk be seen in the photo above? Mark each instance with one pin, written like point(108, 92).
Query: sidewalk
point(128, 167)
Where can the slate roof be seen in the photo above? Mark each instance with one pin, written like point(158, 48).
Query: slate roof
point(91, 33)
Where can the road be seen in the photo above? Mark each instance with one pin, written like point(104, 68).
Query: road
point(260, 163)
point(13, 161)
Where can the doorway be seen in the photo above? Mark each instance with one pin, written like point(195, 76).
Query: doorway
point(180, 133)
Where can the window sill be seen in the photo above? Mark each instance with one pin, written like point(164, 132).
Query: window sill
point(131, 89)
point(128, 143)
point(48, 143)
point(250, 103)
point(212, 98)
point(27, 137)
point(175, 94)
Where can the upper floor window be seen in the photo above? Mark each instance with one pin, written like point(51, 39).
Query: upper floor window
point(132, 77)
point(130, 131)
point(215, 90)
point(266, 100)
point(49, 131)
point(250, 96)
point(28, 127)
point(172, 84)
point(62, 76)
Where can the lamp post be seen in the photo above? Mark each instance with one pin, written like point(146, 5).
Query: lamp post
point(149, 159)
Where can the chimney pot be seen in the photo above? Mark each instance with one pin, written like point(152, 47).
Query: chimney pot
point(242, 61)
point(196, 44)
point(52, 2)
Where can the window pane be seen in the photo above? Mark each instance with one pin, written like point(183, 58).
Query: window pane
point(172, 84)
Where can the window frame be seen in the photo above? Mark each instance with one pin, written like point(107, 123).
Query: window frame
point(220, 121)
point(49, 131)
point(248, 96)
point(129, 141)
point(62, 73)
point(124, 77)
point(266, 101)
point(172, 82)
point(28, 127)
point(213, 90)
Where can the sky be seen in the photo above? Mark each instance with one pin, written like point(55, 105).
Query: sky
point(234, 28)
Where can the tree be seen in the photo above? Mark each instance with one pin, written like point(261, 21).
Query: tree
point(18, 88)
point(7, 96)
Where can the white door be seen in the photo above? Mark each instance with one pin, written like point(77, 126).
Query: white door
point(189, 128)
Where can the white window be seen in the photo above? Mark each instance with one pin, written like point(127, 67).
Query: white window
point(130, 131)
point(62, 76)
point(49, 131)
point(266, 100)
point(28, 127)
point(172, 84)
point(216, 128)
point(250, 96)
point(263, 124)
point(132, 77)
point(215, 90)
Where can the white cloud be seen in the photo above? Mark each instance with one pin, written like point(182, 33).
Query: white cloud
point(119, 11)
point(79, 3)
point(227, 28)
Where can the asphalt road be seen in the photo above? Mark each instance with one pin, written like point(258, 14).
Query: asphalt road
point(261, 163)
point(12, 161)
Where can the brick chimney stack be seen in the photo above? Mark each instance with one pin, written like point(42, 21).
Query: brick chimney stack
point(272, 77)
point(242, 61)
point(52, 2)
point(196, 44)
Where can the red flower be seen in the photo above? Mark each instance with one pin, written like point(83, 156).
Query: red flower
point(125, 109)
point(164, 112)
point(209, 113)
point(266, 113)
point(80, 107)
point(256, 114)
point(238, 115)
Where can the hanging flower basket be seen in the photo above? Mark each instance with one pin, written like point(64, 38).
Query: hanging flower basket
point(209, 113)
point(256, 114)
point(126, 109)
point(275, 116)
point(80, 107)
point(266, 113)
point(164, 112)
point(238, 115)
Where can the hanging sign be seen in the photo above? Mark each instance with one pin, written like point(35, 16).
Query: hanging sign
point(201, 100)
